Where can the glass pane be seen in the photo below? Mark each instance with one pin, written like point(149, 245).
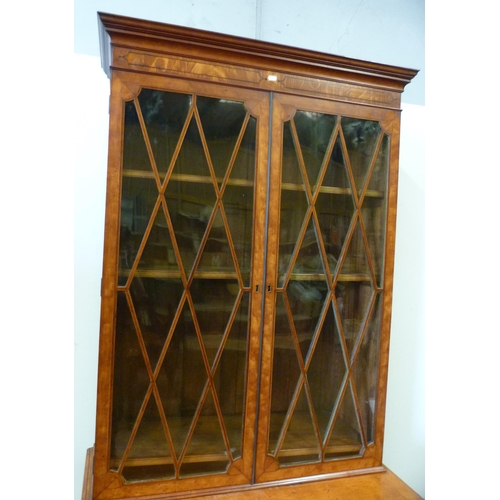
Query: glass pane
point(294, 204)
point(190, 196)
point(158, 252)
point(244, 163)
point(356, 261)
point(286, 372)
point(374, 209)
point(291, 167)
point(189, 218)
point(222, 121)
point(306, 299)
point(230, 376)
point(238, 200)
point(345, 440)
point(206, 452)
point(365, 370)
point(164, 115)
point(335, 175)
point(135, 153)
point(155, 302)
point(149, 456)
point(182, 378)
point(301, 442)
point(216, 255)
point(307, 289)
point(314, 131)
point(326, 371)
point(361, 137)
point(139, 192)
point(130, 381)
point(353, 302)
point(214, 302)
point(150, 472)
point(309, 260)
point(335, 206)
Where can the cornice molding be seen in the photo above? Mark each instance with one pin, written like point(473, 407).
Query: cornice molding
point(286, 58)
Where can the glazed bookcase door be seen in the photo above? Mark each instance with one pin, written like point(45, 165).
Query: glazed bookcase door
point(187, 251)
point(323, 330)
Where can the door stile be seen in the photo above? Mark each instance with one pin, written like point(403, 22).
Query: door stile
point(259, 110)
point(278, 114)
point(391, 126)
point(109, 277)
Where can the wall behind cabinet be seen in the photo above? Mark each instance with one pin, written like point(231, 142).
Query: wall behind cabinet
point(385, 31)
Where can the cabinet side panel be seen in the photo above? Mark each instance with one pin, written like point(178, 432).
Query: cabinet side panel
point(106, 339)
point(392, 125)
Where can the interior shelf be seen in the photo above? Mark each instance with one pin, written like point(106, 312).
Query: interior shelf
point(144, 451)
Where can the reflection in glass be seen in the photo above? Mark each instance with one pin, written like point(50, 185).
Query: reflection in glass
point(130, 382)
point(207, 437)
point(366, 370)
point(182, 316)
point(214, 303)
point(150, 443)
point(221, 135)
point(286, 373)
point(135, 153)
point(164, 114)
point(301, 443)
point(326, 371)
point(155, 302)
point(183, 378)
point(230, 375)
point(294, 203)
point(138, 200)
point(374, 208)
point(353, 302)
point(314, 132)
point(306, 299)
point(361, 138)
point(346, 438)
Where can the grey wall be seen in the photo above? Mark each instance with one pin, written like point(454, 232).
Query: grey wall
point(386, 31)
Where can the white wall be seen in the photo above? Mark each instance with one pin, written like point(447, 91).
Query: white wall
point(90, 162)
point(387, 31)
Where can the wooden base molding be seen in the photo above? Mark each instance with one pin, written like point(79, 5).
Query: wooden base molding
point(381, 485)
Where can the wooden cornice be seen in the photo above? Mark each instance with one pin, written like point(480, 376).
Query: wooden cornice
point(160, 37)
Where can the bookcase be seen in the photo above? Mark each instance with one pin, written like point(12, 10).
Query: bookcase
point(248, 262)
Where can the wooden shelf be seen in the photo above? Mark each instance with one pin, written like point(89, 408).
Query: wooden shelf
point(205, 179)
point(203, 443)
point(296, 444)
point(322, 277)
point(200, 179)
point(288, 186)
point(163, 273)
